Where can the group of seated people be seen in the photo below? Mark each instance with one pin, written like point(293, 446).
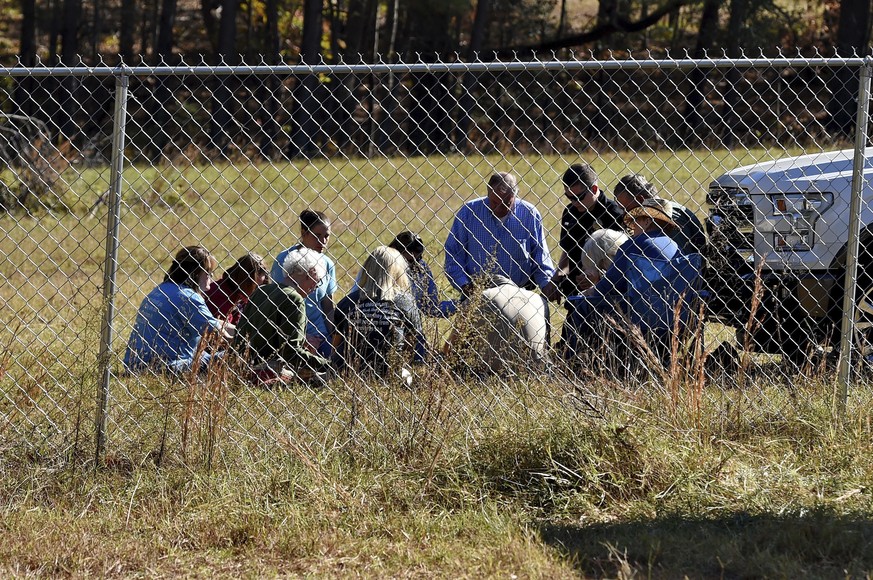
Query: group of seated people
point(641, 281)
point(285, 325)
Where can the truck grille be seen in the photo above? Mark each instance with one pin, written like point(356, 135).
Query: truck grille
point(733, 214)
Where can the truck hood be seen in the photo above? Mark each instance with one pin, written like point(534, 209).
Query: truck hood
point(795, 172)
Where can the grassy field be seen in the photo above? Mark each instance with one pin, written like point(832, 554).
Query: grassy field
point(524, 476)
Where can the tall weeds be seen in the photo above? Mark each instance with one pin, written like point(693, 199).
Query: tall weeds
point(751, 327)
point(6, 354)
point(205, 408)
point(688, 358)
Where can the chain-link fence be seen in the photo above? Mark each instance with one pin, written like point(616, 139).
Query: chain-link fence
point(726, 184)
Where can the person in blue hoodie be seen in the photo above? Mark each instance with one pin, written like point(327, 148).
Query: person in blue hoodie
point(649, 277)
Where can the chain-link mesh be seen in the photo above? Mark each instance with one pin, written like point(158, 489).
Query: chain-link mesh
point(724, 265)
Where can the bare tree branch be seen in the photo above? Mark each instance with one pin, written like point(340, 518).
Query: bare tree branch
point(620, 24)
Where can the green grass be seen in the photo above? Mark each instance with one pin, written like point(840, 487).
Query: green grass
point(532, 476)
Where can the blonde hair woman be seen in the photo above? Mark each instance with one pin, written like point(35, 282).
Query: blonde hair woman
point(379, 318)
point(384, 275)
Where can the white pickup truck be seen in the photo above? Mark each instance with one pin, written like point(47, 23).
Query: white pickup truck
point(790, 219)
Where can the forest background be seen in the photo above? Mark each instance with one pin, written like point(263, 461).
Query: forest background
point(306, 115)
point(153, 31)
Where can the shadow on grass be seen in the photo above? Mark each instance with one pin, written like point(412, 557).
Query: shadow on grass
point(809, 545)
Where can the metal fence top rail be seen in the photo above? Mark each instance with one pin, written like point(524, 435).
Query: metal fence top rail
point(204, 69)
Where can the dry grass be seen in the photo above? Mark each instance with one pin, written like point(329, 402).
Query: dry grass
point(548, 479)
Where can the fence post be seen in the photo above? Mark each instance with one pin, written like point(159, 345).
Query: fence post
point(110, 264)
point(847, 328)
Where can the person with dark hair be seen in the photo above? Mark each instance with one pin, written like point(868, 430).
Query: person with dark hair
point(424, 287)
point(173, 317)
point(589, 210)
point(229, 295)
point(272, 331)
point(315, 234)
point(379, 318)
point(498, 234)
point(634, 189)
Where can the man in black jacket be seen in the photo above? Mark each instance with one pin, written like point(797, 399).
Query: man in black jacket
point(588, 211)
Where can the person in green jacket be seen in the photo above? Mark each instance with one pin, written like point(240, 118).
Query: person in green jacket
point(271, 334)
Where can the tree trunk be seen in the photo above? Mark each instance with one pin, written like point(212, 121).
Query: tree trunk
point(607, 15)
point(469, 81)
point(644, 13)
point(166, 21)
point(95, 31)
point(24, 86)
point(359, 30)
point(163, 126)
point(306, 115)
point(480, 28)
point(222, 91)
point(206, 11)
point(50, 89)
point(853, 36)
point(149, 24)
point(227, 33)
point(697, 77)
point(334, 24)
point(68, 112)
point(310, 43)
point(69, 32)
point(249, 26)
point(430, 121)
point(732, 120)
point(341, 104)
point(127, 29)
point(272, 41)
point(429, 115)
point(27, 47)
point(385, 88)
point(270, 84)
point(54, 31)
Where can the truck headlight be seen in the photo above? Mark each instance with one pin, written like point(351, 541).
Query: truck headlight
point(720, 195)
point(801, 211)
point(794, 241)
point(732, 215)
